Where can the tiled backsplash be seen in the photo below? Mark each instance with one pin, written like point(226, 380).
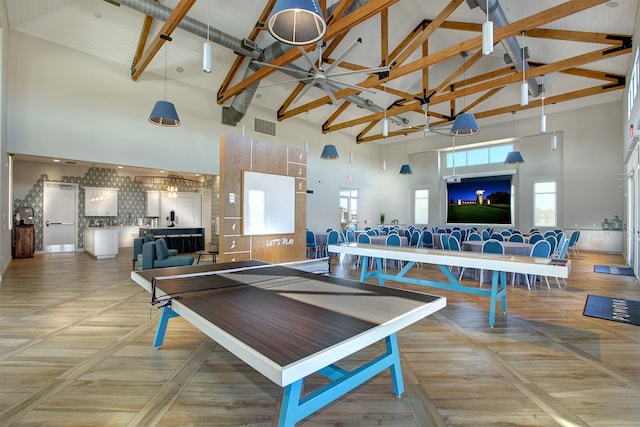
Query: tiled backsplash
point(131, 199)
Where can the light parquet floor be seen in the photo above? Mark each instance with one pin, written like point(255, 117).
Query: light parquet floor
point(75, 350)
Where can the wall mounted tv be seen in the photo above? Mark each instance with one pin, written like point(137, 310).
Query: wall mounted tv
point(268, 204)
point(480, 200)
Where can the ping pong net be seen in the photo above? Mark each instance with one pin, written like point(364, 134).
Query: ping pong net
point(165, 289)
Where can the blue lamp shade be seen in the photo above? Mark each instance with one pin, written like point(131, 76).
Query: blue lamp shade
point(164, 114)
point(406, 169)
point(330, 152)
point(465, 124)
point(513, 158)
point(297, 22)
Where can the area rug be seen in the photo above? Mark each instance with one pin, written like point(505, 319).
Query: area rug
point(615, 309)
point(612, 269)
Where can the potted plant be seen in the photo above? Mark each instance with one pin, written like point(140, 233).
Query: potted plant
point(382, 218)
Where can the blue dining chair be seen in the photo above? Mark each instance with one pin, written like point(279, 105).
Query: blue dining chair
point(312, 245)
point(516, 238)
point(491, 246)
point(393, 239)
point(427, 239)
point(332, 239)
point(363, 238)
point(541, 249)
point(573, 242)
point(454, 245)
point(474, 237)
point(444, 241)
point(535, 238)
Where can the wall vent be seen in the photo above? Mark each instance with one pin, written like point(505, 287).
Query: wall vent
point(264, 126)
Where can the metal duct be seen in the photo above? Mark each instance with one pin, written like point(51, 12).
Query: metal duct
point(511, 45)
point(158, 11)
point(240, 103)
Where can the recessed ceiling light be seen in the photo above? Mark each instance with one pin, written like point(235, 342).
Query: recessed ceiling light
point(612, 4)
point(120, 167)
point(56, 160)
point(180, 69)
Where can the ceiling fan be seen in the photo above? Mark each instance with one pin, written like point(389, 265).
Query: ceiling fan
point(323, 77)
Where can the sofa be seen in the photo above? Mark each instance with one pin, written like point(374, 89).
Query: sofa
point(156, 254)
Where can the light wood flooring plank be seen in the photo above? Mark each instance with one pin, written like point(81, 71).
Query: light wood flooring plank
point(75, 350)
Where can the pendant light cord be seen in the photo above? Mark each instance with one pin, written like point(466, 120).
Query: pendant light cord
point(165, 70)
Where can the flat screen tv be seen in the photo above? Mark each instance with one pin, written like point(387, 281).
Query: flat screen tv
point(480, 200)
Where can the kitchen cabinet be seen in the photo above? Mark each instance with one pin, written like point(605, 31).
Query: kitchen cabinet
point(101, 242)
point(187, 207)
point(600, 240)
point(153, 204)
point(24, 241)
point(100, 201)
point(126, 235)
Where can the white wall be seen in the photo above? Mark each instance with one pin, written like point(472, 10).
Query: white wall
point(68, 104)
point(587, 165)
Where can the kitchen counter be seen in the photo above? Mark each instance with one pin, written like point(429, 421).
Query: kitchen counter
point(101, 242)
point(196, 235)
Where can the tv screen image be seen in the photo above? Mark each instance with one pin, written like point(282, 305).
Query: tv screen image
point(482, 200)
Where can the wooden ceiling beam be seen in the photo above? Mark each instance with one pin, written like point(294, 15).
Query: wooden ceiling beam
point(549, 100)
point(549, 33)
point(144, 35)
point(492, 85)
point(337, 28)
point(563, 10)
point(589, 74)
point(253, 35)
point(167, 29)
point(535, 72)
point(424, 35)
point(569, 96)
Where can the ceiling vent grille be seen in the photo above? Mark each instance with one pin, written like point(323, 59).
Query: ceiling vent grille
point(264, 126)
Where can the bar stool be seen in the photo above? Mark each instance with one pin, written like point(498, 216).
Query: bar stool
point(173, 241)
point(196, 240)
point(185, 242)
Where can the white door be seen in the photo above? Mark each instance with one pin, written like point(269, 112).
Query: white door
point(60, 214)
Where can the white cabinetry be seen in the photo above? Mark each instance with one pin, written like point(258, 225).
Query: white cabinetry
point(600, 240)
point(126, 235)
point(187, 207)
point(153, 204)
point(101, 242)
point(100, 201)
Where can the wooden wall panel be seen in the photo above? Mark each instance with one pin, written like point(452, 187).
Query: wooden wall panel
point(269, 158)
point(239, 154)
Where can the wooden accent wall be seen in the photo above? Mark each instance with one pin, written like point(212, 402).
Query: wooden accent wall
point(239, 154)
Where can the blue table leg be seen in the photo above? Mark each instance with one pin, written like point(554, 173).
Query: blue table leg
point(167, 313)
point(498, 290)
point(396, 368)
point(296, 407)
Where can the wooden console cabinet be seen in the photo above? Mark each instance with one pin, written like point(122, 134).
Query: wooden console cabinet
point(24, 241)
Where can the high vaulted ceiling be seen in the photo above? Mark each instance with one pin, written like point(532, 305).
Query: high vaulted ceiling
point(578, 51)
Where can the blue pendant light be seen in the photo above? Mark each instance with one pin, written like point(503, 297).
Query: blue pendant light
point(514, 158)
point(164, 112)
point(406, 169)
point(330, 152)
point(297, 22)
point(465, 124)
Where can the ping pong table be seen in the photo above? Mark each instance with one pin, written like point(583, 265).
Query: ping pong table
point(288, 324)
point(500, 265)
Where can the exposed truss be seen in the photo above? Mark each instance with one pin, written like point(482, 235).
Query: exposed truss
point(453, 89)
